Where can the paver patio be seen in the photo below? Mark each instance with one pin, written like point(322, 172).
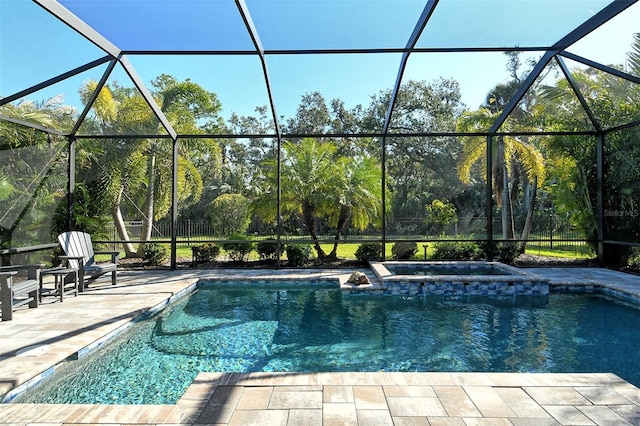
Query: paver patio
point(38, 339)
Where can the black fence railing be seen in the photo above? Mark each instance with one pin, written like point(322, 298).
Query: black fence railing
point(547, 233)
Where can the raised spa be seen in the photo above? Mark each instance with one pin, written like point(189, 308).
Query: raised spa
point(457, 279)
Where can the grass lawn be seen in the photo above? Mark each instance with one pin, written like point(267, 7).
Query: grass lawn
point(348, 250)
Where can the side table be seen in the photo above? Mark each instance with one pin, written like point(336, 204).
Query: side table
point(62, 288)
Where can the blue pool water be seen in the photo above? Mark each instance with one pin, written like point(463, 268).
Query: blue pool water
point(226, 327)
point(433, 270)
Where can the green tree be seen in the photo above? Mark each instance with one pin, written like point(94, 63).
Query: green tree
point(420, 169)
point(32, 170)
point(440, 215)
point(359, 196)
point(230, 214)
point(317, 183)
point(317, 116)
point(132, 167)
point(517, 162)
point(575, 191)
point(508, 153)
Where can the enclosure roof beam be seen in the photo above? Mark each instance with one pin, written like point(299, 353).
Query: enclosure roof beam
point(576, 90)
point(66, 16)
point(336, 135)
point(337, 51)
point(253, 33)
point(54, 80)
point(32, 125)
point(630, 125)
point(601, 67)
point(413, 39)
point(607, 13)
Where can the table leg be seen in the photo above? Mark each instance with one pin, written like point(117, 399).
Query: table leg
point(60, 285)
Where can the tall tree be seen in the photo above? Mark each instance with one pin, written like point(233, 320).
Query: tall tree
point(185, 104)
point(32, 171)
point(420, 169)
point(612, 101)
point(317, 183)
point(129, 167)
point(508, 154)
point(518, 163)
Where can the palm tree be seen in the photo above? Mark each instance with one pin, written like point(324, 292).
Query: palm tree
point(508, 156)
point(360, 201)
point(308, 181)
point(131, 166)
point(317, 183)
point(115, 166)
point(29, 184)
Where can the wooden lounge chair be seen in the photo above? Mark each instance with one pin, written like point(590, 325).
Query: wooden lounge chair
point(15, 294)
point(79, 254)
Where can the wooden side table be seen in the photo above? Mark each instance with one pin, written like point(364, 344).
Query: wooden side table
point(62, 288)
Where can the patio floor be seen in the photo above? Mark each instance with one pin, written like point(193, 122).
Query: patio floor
point(37, 339)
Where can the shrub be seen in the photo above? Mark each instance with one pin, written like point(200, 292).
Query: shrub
point(238, 248)
point(298, 254)
point(633, 259)
point(457, 250)
point(91, 214)
point(505, 252)
point(205, 253)
point(440, 215)
point(404, 250)
point(154, 253)
point(369, 251)
point(267, 249)
point(230, 214)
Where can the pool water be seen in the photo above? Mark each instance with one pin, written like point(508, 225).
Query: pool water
point(227, 327)
point(430, 270)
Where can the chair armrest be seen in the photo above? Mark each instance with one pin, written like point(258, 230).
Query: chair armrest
point(80, 259)
point(114, 255)
point(6, 274)
point(33, 270)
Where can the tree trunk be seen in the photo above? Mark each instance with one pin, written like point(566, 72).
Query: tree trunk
point(309, 218)
point(507, 213)
point(528, 223)
point(147, 219)
point(345, 214)
point(118, 221)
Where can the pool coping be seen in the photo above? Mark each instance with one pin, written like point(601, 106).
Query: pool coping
point(599, 281)
point(510, 281)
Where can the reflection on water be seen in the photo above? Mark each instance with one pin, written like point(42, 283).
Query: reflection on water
point(227, 328)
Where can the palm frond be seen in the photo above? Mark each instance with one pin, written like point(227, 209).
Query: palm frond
point(633, 57)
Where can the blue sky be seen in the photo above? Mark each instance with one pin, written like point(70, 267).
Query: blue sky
point(35, 46)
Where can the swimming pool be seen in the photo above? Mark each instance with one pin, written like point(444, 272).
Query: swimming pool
point(446, 268)
point(286, 326)
point(457, 278)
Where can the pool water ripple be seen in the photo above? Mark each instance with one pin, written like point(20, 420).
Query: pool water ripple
point(292, 328)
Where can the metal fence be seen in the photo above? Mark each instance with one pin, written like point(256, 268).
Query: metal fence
point(548, 233)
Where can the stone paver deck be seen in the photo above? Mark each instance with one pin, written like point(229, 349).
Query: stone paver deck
point(38, 339)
